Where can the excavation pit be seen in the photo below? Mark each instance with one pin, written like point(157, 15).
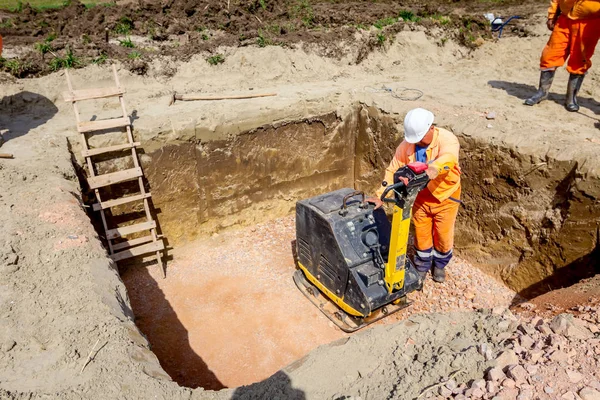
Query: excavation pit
point(228, 313)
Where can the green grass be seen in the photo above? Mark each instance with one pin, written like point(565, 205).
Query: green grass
point(262, 40)
point(124, 26)
point(68, 61)
point(127, 43)
point(134, 55)
point(304, 11)
point(385, 22)
point(39, 5)
point(380, 39)
point(101, 59)
point(408, 16)
point(442, 19)
point(45, 46)
point(216, 59)
point(7, 24)
point(14, 67)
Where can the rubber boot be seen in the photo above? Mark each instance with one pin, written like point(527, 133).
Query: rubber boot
point(439, 274)
point(546, 78)
point(422, 275)
point(575, 82)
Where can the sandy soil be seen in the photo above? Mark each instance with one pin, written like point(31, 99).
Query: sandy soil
point(229, 314)
point(61, 299)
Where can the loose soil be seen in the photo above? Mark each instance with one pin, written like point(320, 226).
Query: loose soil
point(229, 314)
point(62, 300)
point(38, 42)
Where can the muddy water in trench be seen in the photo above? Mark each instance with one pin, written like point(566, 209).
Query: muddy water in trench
point(228, 313)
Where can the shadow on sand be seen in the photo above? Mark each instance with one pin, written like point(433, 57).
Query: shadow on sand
point(168, 337)
point(523, 91)
point(24, 111)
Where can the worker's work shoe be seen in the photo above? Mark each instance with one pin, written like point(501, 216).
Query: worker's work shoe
point(546, 78)
point(422, 275)
point(439, 274)
point(573, 87)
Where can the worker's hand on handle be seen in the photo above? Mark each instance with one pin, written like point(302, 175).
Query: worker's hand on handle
point(404, 180)
point(375, 200)
point(432, 172)
point(550, 24)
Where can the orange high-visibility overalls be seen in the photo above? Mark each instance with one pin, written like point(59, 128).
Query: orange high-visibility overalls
point(575, 35)
point(436, 206)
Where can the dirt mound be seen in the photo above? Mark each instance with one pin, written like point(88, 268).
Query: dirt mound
point(38, 42)
point(444, 356)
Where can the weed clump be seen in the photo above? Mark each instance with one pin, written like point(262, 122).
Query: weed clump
point(216, 59)
point(127, 43)
point(68, 61)
point(408, 16)
point(124, 26)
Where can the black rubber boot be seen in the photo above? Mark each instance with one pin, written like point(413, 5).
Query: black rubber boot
point(439, 274)
point(546, 78)
point(422, 275)
point(575, 82)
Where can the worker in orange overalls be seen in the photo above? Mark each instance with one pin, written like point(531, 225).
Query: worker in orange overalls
point(575, 26)
point(436, 206)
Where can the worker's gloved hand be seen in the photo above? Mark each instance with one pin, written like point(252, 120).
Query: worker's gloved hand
point(404, 180)
point(432, 172)
point(550, 24)
point(375, 200)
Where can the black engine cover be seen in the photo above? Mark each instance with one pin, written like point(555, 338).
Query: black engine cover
point(344, 249)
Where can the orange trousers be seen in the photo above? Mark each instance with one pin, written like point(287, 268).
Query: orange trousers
point(575, 40)
point(434, 222)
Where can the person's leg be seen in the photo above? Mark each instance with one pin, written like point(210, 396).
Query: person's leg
point(585, 38)
point(444, 218)
point(423, 240)
point(553, 56)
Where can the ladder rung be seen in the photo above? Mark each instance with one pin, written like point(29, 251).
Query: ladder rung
point(99, 181)
point(89, 94)
point(117, 202)
point(131, 243)
point(103, 124)
point(138, 251)
point(102, 150)
point(127, 230)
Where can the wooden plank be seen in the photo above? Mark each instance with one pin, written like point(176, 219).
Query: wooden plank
point(89, 94)
point(103, 124)
point(133, 242)
point(138, 251)
point(128, 230)
point(102, 150)
point(117, 202)
point(114, 177)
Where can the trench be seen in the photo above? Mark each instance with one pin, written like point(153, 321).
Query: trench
point(228, 313)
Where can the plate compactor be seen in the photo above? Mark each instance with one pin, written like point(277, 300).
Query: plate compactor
point(352, 262)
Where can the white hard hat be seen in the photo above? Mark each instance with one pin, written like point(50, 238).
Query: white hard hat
point(416, 124)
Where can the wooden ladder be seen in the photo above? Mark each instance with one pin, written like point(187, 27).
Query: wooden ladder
point(122, 250)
